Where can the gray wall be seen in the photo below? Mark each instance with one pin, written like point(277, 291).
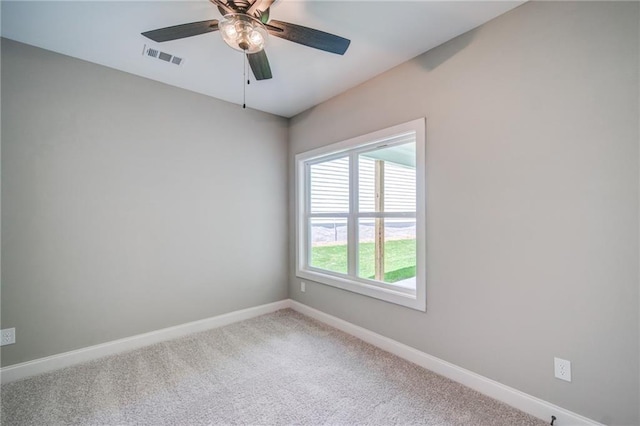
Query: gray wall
point(130, 206)
point(532, 193)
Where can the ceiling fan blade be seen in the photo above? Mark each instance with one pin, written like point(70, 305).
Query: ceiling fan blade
point(260, 65)
point(182, 31)
point(308, 37)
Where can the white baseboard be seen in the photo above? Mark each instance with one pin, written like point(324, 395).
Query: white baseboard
point(66, 359)
point(510, 396)
point(513, 397)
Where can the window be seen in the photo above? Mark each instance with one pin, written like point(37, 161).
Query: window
point(360, 211)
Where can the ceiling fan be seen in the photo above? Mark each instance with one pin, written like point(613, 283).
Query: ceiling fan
point(246, 27)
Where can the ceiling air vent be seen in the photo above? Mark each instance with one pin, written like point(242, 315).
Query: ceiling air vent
point(163, 56)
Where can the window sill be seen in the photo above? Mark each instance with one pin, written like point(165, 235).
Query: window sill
point(403, 298)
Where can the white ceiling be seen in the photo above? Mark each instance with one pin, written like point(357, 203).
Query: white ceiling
point(383, 34)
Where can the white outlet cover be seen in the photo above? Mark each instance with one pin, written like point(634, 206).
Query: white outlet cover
point(7, 336)
point(303, 286)
point(562, 369)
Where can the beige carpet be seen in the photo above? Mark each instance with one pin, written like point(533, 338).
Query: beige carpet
point(281, 368)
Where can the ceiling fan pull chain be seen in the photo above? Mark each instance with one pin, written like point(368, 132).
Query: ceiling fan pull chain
point(246, 64)
point(244, 75)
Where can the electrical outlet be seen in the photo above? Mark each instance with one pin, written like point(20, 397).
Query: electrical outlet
point(562, 369)
point(7, 336)
point(303, 286)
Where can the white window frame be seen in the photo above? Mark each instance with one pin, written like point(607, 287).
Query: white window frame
point(353, 147)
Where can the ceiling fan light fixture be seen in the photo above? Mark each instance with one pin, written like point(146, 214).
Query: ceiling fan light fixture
point(243, 32)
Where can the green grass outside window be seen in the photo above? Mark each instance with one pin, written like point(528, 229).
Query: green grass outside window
point(400, 259)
